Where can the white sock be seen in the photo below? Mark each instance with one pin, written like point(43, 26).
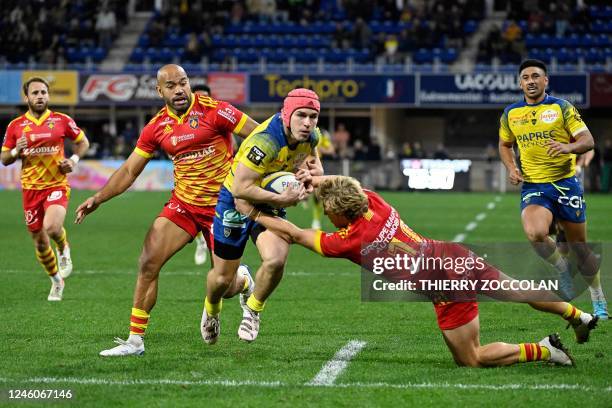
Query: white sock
point(597, 293)
point(135, 339)
point(56, 278)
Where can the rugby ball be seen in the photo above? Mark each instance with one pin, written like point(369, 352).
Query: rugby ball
point(279, 181)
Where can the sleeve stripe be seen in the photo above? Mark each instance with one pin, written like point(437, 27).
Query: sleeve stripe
point(582, 129)
point(80, 137)
point(241, 123)
point(142, 153)
point(317, 243)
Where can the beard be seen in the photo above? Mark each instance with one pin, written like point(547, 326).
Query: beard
point(38, 108)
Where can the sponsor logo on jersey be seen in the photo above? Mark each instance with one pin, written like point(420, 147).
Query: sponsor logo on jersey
point(229, 114)
point(256, 155)
point(549, 116)
point(37, 136)
point(168, 129)
point(41, 150)
point(181, 138)
point(199, 154)
point(27, 128)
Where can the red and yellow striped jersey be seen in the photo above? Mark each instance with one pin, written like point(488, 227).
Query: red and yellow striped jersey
point(199, 144)
point(45, 136)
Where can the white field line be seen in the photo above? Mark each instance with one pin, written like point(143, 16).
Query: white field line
point(472, 225)
point(278, 384)
point(334, 367)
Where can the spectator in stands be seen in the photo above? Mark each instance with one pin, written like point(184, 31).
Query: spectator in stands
point(237, 13)
point(359, 152)
point(341, 140)
point(391, 46)
point(106, 25)
point(374, 152)
point(406, 151)
point(341, 38)
point(362, 34)
point(562, 15)
point(441, 153)
point(193, 52)
point(417, 151)
point(157, 32)
point(129, 134)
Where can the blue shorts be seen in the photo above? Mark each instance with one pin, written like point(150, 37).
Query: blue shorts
point(231, 229)
point(564, 198)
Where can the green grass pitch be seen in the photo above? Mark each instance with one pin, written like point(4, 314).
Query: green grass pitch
point(315, 311)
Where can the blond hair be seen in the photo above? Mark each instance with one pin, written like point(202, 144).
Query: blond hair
point(342, 195)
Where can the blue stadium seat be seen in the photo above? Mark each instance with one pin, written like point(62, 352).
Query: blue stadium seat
point(138, 55)
point(143, 41)
point(449, 55)
point(470, 26)
point(423, 55)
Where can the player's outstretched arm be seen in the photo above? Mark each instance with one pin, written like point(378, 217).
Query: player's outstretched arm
point(120, 181)
point(283, 228)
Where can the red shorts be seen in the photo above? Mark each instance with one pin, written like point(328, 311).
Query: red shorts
point(455, 314)
point(36, 202)
point(191, 218)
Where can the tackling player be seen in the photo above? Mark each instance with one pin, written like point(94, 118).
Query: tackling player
point(285, 142)
point(543, 127)
point(369, 226)
point(195, 131)
point(37, 138)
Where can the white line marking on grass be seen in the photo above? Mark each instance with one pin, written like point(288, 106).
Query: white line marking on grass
point(472, 225)
point(481, 216)
point(334, 367)
point(459, 237)
point(278, 384)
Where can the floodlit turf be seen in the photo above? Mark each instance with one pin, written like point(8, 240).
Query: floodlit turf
point(315, 311)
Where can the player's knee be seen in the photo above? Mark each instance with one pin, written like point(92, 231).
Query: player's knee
point(222, 280)
point(53, 229)
point(275, 265)
point(536, 234)
point(149, 266)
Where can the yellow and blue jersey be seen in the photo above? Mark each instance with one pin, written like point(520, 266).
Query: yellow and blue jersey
point(532, 127)
point(266, 150)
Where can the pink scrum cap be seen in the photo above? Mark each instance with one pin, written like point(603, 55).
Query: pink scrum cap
point(296, 99)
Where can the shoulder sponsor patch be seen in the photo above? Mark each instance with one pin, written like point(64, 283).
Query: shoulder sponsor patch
point(229, 114)
point(256, 155)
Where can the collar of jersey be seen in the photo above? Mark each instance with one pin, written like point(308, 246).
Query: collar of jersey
point(43, 117)
point(179, 119)
point(536, 104)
